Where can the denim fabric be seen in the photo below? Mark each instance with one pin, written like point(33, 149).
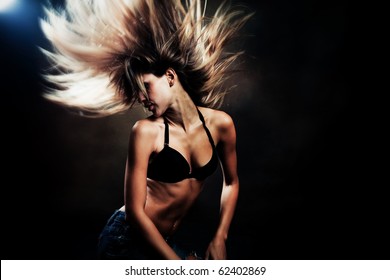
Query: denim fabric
point(120, 240)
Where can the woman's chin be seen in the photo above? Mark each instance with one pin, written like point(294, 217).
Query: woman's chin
point(155, 113)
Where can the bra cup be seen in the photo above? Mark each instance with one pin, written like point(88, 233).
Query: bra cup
point(170, 166)
point(205, 171)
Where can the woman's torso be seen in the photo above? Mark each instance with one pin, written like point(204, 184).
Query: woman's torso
point(168, 202)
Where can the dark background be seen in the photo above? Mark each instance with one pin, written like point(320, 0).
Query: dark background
point(309, 186)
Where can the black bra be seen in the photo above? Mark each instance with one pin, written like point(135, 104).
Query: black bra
point(170, 166)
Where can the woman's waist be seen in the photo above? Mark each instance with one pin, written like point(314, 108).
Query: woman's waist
point(166, 220)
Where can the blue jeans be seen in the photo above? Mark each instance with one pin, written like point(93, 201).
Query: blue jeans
point(120, 240)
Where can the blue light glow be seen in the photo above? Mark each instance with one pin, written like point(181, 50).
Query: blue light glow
point(6, 5)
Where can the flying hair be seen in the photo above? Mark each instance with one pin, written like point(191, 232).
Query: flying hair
point(100, 49)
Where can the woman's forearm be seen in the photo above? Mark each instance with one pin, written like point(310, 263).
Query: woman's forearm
point(153, 236)
point(228, 204)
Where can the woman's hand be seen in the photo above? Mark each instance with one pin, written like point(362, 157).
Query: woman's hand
point(216, 249)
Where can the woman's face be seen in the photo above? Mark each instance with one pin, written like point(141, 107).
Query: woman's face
point(159, 94)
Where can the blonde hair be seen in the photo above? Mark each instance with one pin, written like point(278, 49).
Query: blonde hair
point(100, 48)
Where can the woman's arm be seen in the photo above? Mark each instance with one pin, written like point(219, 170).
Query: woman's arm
point(141, 145)
point(228, 157)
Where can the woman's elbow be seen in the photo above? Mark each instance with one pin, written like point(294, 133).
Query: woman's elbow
point(232, 181)
point(133, 215)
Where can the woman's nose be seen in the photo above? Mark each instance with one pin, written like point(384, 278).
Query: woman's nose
point(141, 98)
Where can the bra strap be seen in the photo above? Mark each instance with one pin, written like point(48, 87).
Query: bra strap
point(166, 134)
point(205, 128)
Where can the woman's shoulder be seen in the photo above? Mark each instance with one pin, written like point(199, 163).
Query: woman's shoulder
point(217, 118)
point(148, 127)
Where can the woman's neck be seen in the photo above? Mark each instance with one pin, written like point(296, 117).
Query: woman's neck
point(183, 112)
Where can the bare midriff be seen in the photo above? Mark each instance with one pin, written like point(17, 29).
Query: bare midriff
point(167, 203)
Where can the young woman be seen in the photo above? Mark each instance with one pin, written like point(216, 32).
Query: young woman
point(169, 57)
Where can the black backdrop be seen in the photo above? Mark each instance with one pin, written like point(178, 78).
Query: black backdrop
point(308, 190)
